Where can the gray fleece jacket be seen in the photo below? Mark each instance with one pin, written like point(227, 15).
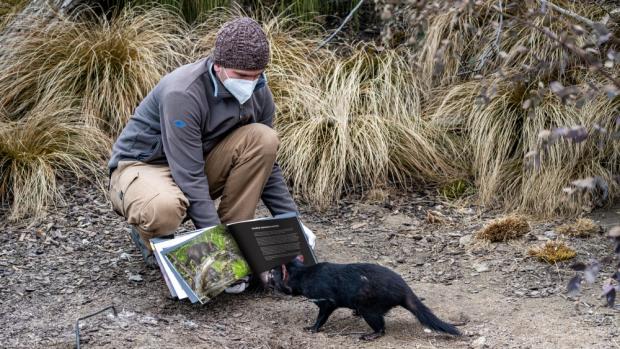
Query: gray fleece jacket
point(180, 121)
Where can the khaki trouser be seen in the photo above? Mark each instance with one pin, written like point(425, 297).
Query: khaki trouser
point(237, 170)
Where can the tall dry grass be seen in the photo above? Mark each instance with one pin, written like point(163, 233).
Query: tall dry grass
point(8, 10)
point(195, 11)
point(108, 65)
point(458, 45)
point(67, 87)
point(346, 122)
point(541, 191)
point(357, 124)
point(498, 134)
point(49, 142)
point(354, 121)
point(495, 131)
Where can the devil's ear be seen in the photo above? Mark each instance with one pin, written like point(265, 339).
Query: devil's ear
point(300, 258)
point(284, 273)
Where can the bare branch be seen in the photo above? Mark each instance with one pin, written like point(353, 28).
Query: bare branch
point(347, 19)
point(581, 53)
point(496, 45)
point(566, 12)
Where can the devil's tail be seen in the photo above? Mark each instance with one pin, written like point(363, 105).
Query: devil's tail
point(426, 316)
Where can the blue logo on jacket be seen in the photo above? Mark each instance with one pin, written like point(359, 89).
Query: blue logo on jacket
point(180, 123)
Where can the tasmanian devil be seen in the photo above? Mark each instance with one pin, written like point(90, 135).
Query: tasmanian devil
point(369, 289)
point(197, 252)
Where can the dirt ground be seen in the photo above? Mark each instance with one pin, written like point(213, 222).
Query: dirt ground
point(80, 260)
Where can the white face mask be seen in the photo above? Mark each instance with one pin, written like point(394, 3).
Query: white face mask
point(240, 88)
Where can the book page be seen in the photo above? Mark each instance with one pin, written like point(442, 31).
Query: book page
point(206, 263)
point(267, 243)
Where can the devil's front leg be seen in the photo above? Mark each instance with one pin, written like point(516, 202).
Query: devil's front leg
point(326, 308)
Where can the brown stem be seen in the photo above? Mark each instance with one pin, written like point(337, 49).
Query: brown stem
point(567, 12)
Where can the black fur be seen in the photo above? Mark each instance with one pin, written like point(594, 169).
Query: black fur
point(369, 289)
point(197, 252)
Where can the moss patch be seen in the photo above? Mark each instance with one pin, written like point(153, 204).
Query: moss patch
point(552, 252)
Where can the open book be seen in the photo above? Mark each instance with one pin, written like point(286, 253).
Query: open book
point(201, 264)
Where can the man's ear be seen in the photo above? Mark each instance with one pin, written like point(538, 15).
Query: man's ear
point(217, 67)
point(300, 258)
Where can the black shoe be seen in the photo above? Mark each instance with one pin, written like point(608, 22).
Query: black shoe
point(149, 257)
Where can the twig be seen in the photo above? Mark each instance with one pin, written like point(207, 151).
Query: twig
point(499, 27)
point(565, 12)
point(347, 19)
point(579, 52)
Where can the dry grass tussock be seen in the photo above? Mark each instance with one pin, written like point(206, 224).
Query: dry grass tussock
point(108, 65)
point(505, 228)
point(496, 131)
point(48, 141)
point(352, 122)
point(498, 134)
point(344, 122)
point(355, 121)
point(552, 252)
point(459, 45)
point(582, 227)
point(8, 10)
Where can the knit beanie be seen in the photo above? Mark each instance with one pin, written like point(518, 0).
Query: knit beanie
point(241, 44)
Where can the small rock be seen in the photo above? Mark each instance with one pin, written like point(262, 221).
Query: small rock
point(467, 210)
point(149, 320)
point(479, 343)
point(481, 267)
point(189, 324)
point(465, 240)
point(358, 225)
point(135, 277)
point(426, 330)
point(237, 314)
point(550, 234)
point(396, 221)
point(459, 320)
point(420, 258)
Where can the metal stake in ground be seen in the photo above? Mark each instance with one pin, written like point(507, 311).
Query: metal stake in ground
point(77, 323)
